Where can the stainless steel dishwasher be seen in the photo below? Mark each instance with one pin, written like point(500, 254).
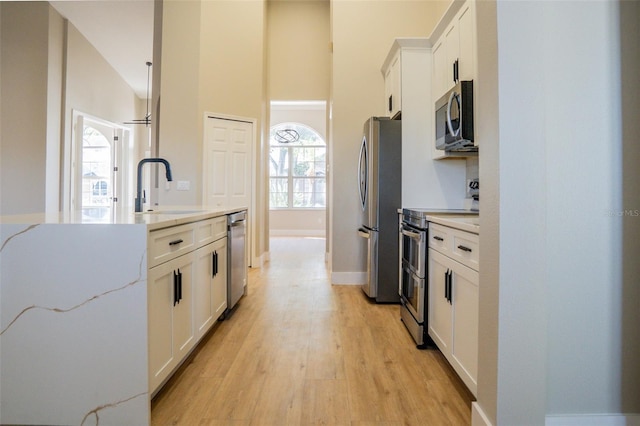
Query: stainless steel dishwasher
point(237, 262)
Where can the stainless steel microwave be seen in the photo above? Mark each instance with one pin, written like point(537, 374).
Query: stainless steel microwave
point(454, 119)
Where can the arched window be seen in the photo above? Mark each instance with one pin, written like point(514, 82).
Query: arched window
point(297, 167)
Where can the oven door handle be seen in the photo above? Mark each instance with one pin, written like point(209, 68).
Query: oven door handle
point(413, 235)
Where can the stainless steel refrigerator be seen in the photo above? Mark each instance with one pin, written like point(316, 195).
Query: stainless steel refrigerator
point(380, 188)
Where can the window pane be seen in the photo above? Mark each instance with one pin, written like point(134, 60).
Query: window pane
point(278, 161)
point(278, 193)
point(297, 153)
point(309, 192)
point(308, 161)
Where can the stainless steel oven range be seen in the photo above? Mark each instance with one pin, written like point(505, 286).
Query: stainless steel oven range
point(413, 287)
point(413, 275)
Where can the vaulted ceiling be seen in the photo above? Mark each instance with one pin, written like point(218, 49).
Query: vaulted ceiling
point(122, 31)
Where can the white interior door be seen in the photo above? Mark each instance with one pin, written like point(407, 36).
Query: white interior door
point(227, 167)
point(227, 170)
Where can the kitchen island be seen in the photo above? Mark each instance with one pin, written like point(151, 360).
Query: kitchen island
point(75, 308)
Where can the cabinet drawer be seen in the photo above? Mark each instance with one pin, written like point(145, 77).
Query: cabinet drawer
point(439, 238)
point(210, 230)
point(169, 243)
point(459, 245)
point(466, 248)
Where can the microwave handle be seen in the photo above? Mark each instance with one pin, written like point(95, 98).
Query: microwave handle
point(451, 97)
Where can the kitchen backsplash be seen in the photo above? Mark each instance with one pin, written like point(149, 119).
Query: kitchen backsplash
point(473, 186)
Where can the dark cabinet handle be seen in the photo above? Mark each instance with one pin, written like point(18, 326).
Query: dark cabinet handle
point(453, 71)
point(214, 264)
point(438, 238)
point(457, 77)
point(390, 103)
point(450, 287)
point(175, 288)
point(463, 248)
point(446, 285)
point(179, 286)
point(174, 242)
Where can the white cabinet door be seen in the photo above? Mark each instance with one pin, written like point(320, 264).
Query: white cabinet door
point(160, 293)
point(209, 285)
point(393, 86)
point(453, 314)
point(171, 334)
point(227, 162)
point(202, 289)
point(219, 284)
point(464, 349)
point(452, 44)
point(454, 54)
point(440, 315)
point(466, 37)
point(183, 330)
point(439, 74)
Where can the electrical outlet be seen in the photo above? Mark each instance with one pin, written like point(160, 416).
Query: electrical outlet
point(183, 185)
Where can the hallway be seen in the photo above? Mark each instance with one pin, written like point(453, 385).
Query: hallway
point(299, 351)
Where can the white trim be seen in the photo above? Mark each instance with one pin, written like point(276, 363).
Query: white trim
point(478, 417)
point(593, 420)
point(349, 278)
point(298, 105)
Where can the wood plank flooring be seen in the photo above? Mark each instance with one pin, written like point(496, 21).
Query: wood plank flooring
point(299, 351)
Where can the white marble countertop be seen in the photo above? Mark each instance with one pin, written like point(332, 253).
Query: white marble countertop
point(469, 223)
point(160, 217)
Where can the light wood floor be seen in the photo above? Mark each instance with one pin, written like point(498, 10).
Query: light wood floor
point(299, 351)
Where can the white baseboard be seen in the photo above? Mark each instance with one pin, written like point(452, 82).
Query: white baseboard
point(348, 278)
point(297, 233)
point(258, 261)
point(478, 418)
point(594, 420)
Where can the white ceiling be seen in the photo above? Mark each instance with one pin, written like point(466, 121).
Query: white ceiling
point(122, 31)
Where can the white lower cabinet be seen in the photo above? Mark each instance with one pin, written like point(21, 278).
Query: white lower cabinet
point(453, 312)
point(210, 285)
point(171, 331)
point(186, 294)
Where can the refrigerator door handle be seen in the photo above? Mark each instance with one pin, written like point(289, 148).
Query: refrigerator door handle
point(363, 173)
point(364, 233)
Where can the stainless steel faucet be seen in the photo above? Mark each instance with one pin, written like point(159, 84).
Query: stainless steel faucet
point(139, 198)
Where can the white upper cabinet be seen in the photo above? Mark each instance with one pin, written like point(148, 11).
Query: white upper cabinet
point(454, 49)
point(393, 86)
point(404, 73)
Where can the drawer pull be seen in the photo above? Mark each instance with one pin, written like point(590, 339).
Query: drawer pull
point(174, 242)
point(463, 248)
point(438, 238)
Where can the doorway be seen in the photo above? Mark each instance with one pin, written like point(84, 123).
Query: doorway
point(100, 152)
point(298, 155)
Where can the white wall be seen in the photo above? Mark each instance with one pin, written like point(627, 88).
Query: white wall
point(212, 60)
point(298, 50)
point(43, 81)
point(362, 34)
point(92, 86)
point(556, 337)
point(24, 106)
